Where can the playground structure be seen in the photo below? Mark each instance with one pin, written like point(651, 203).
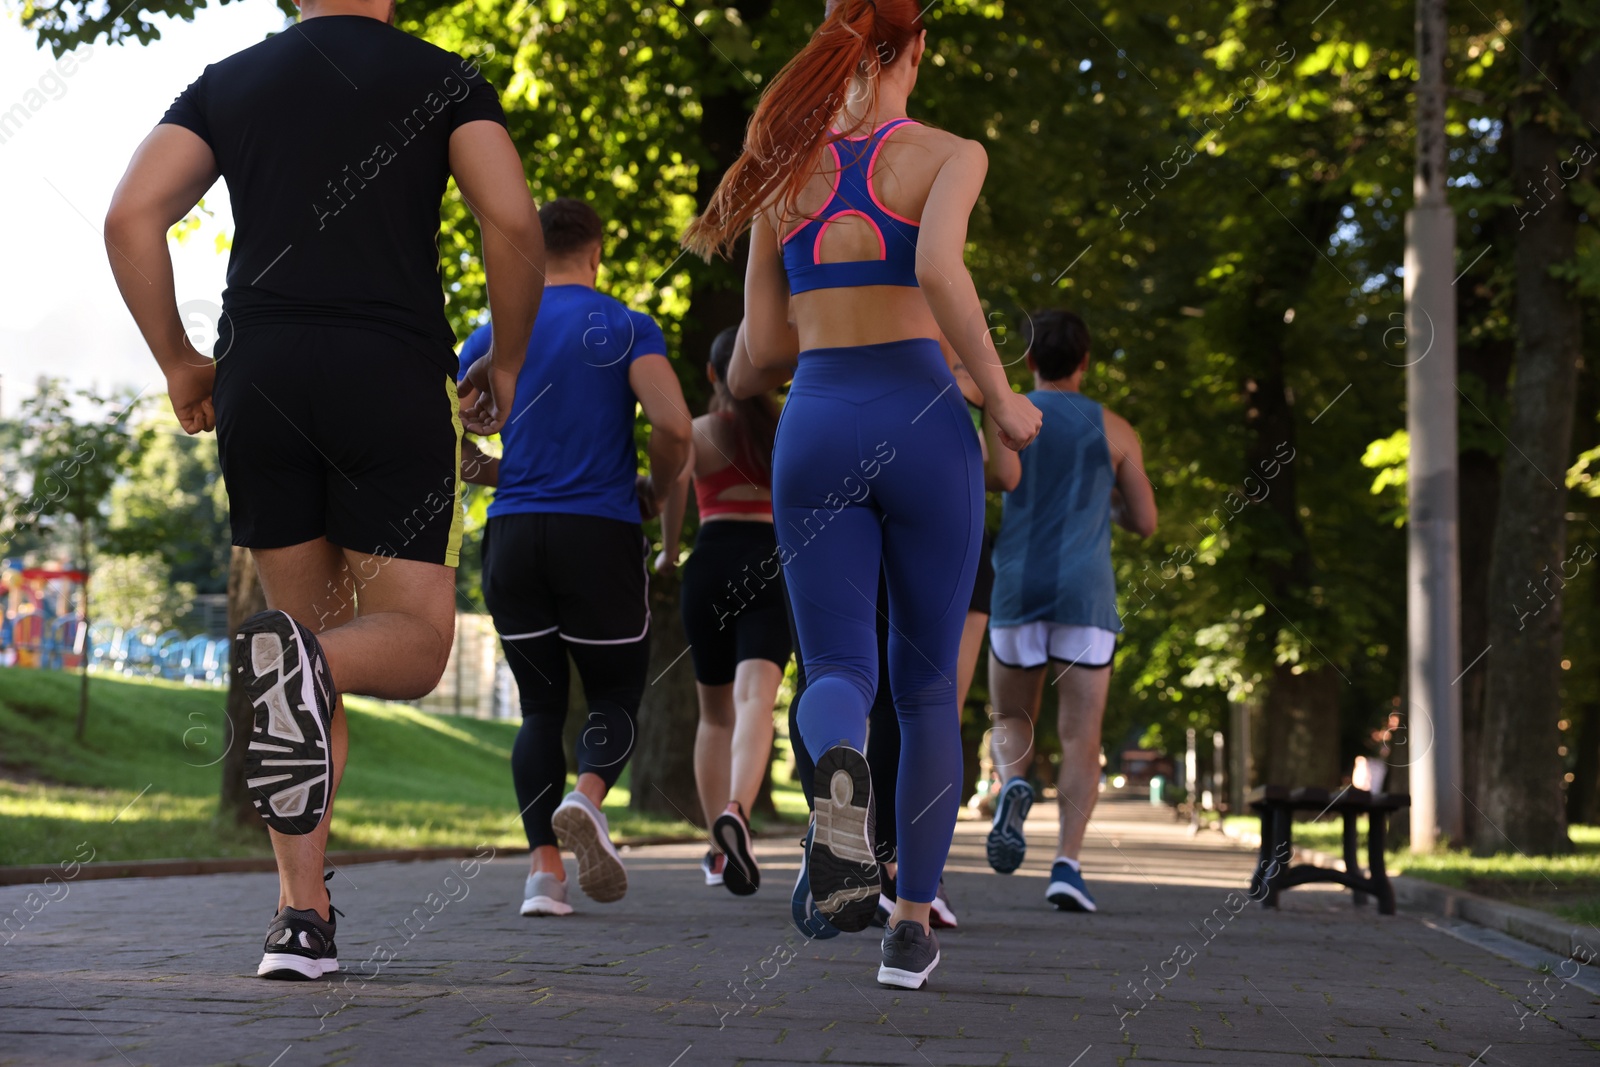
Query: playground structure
point(43, 629)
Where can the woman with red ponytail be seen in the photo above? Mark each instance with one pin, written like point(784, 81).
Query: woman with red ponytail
point(858, 221)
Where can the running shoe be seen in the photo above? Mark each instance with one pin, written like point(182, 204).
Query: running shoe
point(1067, 890)
point(802, 908)
point(712, 864)
point(583, 828)
point(941, 917)
point(843, 867)
point(288, 765)
point(910, 954)
point(1007, 845)
point(545, 894)
point(299, 946)
point(740, 874)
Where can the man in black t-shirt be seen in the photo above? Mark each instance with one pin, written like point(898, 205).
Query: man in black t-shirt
point(333, 390)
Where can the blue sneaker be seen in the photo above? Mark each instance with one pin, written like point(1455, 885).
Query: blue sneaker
point(1067, 890)
point(1007, 846)
point(802, 909)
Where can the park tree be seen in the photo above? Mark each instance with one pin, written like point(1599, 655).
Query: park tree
point(1552, 127)
point(72, 448)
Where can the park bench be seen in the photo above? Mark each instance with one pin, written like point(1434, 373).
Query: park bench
point(1277, 804)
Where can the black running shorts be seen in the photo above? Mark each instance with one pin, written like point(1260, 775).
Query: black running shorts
point(343, 433)
point(733, 604)
point(983, 585)
point(579, 577)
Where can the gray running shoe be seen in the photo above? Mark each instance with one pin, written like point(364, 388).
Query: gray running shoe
point(909, 955)
point(545, 894)
point(583, 829)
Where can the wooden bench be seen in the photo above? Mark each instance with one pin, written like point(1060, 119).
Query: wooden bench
point(1277, 804)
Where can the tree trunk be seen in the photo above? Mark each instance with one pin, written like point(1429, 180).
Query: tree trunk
point(1478, 500)
point(83, 667)
point(245, 598)
point(1300, 728)
point(662, 769)
point(1520, 773)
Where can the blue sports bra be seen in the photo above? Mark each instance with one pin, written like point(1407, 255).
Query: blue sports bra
point(853, 195)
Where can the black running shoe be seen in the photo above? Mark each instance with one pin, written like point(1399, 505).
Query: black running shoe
point(841, 863)
point(299, 946)
point(288, 765)
point(909, 955)
point(740, 874)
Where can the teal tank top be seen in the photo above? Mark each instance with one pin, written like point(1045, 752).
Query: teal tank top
point(1052, 558)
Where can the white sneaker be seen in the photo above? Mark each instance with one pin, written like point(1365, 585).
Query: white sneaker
point(545, 894)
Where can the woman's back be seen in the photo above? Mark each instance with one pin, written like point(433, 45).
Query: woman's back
point(900, 172)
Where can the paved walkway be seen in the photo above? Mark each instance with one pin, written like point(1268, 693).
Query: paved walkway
point(440, 969)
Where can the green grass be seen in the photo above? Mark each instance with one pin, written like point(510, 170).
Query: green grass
point(1568, 886)
point(417, 780)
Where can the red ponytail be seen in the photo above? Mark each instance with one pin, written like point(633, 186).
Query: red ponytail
point(789, 130)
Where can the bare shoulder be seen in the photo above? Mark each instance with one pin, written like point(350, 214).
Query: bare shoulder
point(1120, 432)
point(943, 144)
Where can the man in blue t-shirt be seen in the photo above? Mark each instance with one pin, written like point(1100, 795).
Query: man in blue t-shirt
point(1055, 595)
point(564, 556)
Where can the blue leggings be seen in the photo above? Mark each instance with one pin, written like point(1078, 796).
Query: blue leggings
point(876, 466)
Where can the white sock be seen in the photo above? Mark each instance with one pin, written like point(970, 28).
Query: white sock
point(1069, 862)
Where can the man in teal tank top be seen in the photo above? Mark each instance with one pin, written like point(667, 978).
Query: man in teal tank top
point(1055, 595)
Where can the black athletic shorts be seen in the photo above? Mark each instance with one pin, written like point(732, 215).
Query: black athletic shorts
point(339, 432)
point(733, 605)
point(579, 577)
point(983, 587)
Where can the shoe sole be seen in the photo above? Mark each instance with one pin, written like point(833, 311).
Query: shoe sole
point(1006, 847)
point(545, 906)
point(1067, 898)
point(287, 967)
point(811, 926)
point(601, 875)
point(842, 864)
point(289, 732)
point(740, 874)
point(941, 917)
point(712, 879)
point(901, 979)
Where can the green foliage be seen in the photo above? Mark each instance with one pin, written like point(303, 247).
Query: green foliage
point(172, 505)
point(137, 592)
point(61, 465)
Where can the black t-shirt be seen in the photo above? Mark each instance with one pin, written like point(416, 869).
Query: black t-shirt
point(333, 137)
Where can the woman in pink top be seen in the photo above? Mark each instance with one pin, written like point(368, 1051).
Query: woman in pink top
point(733, 612)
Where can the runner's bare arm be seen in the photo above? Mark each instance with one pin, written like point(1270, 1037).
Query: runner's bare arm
point(942, 274)
point(673, 511)
point(488, 171)
point(770, 337)
point(1002, 468)
point(746, 380)
point(1138, 510)
point(478, 467)
point(655, 383)
point(171, 169)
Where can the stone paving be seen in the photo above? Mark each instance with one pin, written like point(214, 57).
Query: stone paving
point(440, 969)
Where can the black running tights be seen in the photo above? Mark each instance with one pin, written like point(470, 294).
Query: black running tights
point(613, 678)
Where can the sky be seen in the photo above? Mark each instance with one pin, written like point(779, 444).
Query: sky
point(60, 313)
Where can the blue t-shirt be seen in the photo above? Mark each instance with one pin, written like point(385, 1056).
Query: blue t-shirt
point(1052, 558)
point(568, 443)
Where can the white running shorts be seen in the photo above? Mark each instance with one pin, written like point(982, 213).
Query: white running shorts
point(1029, 645)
